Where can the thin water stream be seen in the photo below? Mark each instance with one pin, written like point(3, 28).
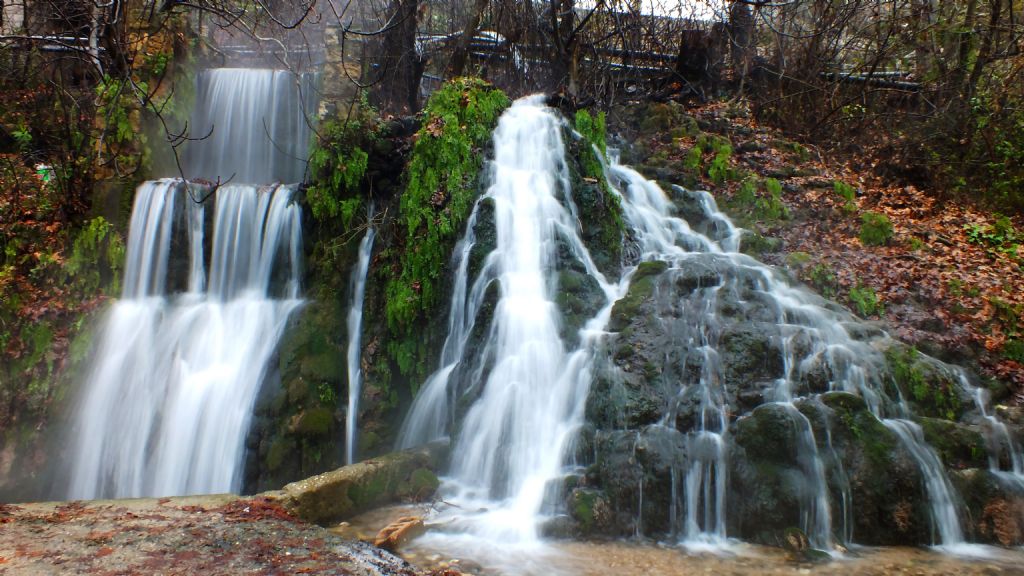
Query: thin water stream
point(353, 351)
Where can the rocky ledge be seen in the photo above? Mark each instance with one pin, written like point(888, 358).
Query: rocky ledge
point(222, 534)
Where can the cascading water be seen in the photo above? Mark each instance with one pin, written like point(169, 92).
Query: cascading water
point(352, 355)
point(167, 404)
point(514, 438)
point(1002, 446)
point(255, 126)
point(526, 389)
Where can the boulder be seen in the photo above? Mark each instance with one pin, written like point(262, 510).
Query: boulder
point(347, 491)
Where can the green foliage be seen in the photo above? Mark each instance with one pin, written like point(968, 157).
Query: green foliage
point(594, 131)
point(23, 139)
point(1014, 350)
point(719, 170)
point(325, 393)
point(847, 193)
point(758, 200)
point(823, 279)
point(770, 206)
point(692, 160)
point(443, 181)
point(1000, 237)
point(865, 301)
point(875, 229)
point(338, 162)
point(97, 256)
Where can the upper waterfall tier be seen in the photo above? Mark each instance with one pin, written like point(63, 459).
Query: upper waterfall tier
point(251, 124)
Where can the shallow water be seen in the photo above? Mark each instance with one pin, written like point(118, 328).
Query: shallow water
point(630, 558)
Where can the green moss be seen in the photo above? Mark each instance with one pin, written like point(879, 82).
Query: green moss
point(280, 448)
point(640, 288)
point(582, 508)
point(420, 485)
point(958, 445)
point(443, 183)
point(594, 133)
point(934, 393)
point(875, 440)
point(314, 422)
point(692, 160)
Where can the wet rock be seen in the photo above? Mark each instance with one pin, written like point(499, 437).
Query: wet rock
point(396, 534)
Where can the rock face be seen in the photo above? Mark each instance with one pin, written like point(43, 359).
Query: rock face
point(347, 491)
point(647, 404)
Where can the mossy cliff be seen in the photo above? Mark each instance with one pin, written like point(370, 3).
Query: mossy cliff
point(413, 180)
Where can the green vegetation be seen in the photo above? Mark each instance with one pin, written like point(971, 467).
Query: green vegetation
point(337, 164)
point(594, 131)
point(443, 183)
point(609, 212)
point(97, 257)
point(934, 393)
point(719, 170)
point(847, 193)
point(823, 279)
point(1000, 237)
point(758, 200)
point(875, 229)
point(865, 301)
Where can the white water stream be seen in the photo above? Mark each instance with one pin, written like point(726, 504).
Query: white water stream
point(182, 355)
point(353, 352)
point(512, 441)
point(168, 402)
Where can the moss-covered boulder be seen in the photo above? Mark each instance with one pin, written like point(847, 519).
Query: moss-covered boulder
point(347, 491)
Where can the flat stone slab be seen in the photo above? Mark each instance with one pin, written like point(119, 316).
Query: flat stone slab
point(220, 534)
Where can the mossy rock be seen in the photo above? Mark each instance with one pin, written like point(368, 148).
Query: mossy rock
point(640, 289)
point(926, 383)
point(590, 509)
point(347, 491)
point(317, 421)
point(757, 245)
point(959, 445)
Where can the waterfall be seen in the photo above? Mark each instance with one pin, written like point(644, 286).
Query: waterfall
point(252, 124)
point(513, 439)
point(167, 403)
point(353, 352)
point(521, 394)
point(1001, 443)
point(941, 494)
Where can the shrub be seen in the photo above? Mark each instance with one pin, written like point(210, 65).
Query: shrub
point(875, 229)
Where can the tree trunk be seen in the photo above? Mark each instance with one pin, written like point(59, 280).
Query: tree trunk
point(457, 65)
point(400, 67)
